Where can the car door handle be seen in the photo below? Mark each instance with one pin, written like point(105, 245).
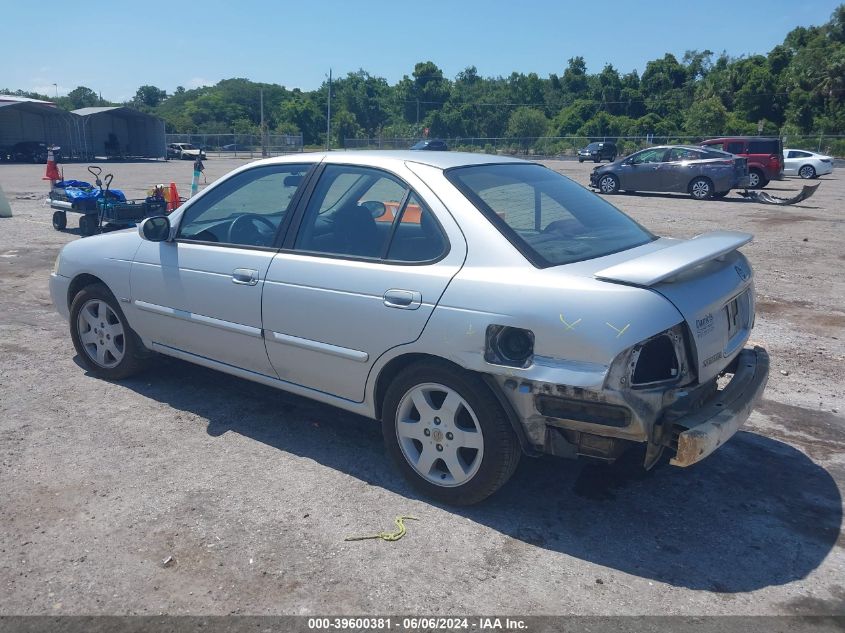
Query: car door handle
point(245, 276)
point(402, 299)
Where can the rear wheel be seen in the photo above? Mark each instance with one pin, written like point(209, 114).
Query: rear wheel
point(447, 433)
point(701, 188)
point(608, 183)
point(88, 224)
point(756, 180)
point(807, 171)
point(59, 220)
point(106, 345)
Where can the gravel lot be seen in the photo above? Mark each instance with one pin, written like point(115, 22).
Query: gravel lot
point(251, 491)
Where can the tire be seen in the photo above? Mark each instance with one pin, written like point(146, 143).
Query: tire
point(580, 160)
point(807, 172)
point(608, 183)
point(597, 160)
point(483, 450)
point(756, 179)
point(106, 345)
point(59, 220)
point(611, 159)
point(701, 188)
point(88, 224)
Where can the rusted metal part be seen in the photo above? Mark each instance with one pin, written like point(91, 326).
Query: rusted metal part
point(705, 430)
point(761, 196)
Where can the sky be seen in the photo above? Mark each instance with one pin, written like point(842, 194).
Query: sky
point(115, 47)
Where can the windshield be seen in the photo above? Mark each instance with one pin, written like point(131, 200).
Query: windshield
point(548, 217)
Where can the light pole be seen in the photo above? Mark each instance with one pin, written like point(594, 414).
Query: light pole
point(56, 86)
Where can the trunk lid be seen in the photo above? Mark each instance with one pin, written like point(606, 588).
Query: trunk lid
point(711, 285)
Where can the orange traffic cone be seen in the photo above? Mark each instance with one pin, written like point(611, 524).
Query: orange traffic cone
point(174, 198)
point(52, 170)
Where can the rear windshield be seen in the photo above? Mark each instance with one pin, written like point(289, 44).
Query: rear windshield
point(549, 218)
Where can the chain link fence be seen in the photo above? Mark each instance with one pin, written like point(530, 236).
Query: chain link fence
point(241, 145)
point(563, 146)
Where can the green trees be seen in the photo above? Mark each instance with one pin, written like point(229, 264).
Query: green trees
point(798, 86)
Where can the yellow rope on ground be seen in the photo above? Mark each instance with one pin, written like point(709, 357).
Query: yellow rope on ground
point(387, 536)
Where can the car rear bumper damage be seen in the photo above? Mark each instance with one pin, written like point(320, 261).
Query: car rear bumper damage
point(698, 434)
point(692, 422)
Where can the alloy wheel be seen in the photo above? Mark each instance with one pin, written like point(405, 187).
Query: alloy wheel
point(439, 435)
point(101, 333)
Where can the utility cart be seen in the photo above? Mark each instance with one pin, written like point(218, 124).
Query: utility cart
point(99, 205)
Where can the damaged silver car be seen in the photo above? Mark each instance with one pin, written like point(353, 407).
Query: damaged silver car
point(480, 307)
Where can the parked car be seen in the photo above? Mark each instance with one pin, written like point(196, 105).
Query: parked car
point(702, 173)
point(184, 151)
point(435, 145)
point(513, 312)
point(800, 162)
point(237, 147)
point(764, 155)
point(598, 152)
point(28, 152)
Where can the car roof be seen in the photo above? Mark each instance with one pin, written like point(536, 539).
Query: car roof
point(441, 160)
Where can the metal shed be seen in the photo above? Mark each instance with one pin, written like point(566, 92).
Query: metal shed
point(41, 122)
point(121, 132)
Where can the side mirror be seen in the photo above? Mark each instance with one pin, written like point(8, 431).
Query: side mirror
point(155, 229)
point(375, 207)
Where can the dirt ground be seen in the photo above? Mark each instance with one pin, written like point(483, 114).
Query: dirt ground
point(251, 491)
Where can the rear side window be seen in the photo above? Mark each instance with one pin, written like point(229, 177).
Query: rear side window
point(735, 147)
point(368, 213)
point(762, 147)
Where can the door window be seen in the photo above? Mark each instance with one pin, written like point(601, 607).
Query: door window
point(735, 147)
point(416, 236)
point(245, 210)
point(682, 153)
point(649, 156)
point(364, 212)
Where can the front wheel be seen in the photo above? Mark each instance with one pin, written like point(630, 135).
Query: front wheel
point(608, 183)
point(701, 188)
point(106, 345)
point(807, 172)
point(447, 433)
point(59, 220)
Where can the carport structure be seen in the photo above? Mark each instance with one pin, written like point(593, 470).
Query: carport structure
point(40, 122)
point(121, 132)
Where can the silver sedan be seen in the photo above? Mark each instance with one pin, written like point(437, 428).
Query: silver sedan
point(482, 308)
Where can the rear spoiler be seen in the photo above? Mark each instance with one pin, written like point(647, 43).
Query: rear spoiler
point(671, 261)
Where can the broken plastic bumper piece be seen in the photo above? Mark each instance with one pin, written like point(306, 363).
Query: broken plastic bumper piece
point(704, 430)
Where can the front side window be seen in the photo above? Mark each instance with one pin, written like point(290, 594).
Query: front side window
point(245, 210)
point(550, 219)
point(735, 147)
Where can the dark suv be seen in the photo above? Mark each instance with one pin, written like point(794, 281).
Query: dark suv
point(764, 155)
point(435, 145)
point(597, 152)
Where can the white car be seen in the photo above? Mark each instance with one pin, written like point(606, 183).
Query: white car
point(800, 162)
point(481, 307)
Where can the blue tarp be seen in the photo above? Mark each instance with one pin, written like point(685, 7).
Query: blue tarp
point(77, 190)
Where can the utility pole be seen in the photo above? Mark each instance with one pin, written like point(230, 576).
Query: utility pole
point(329, 115)
point(263, 135)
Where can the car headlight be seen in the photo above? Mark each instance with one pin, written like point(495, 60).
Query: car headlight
point(56, 263)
